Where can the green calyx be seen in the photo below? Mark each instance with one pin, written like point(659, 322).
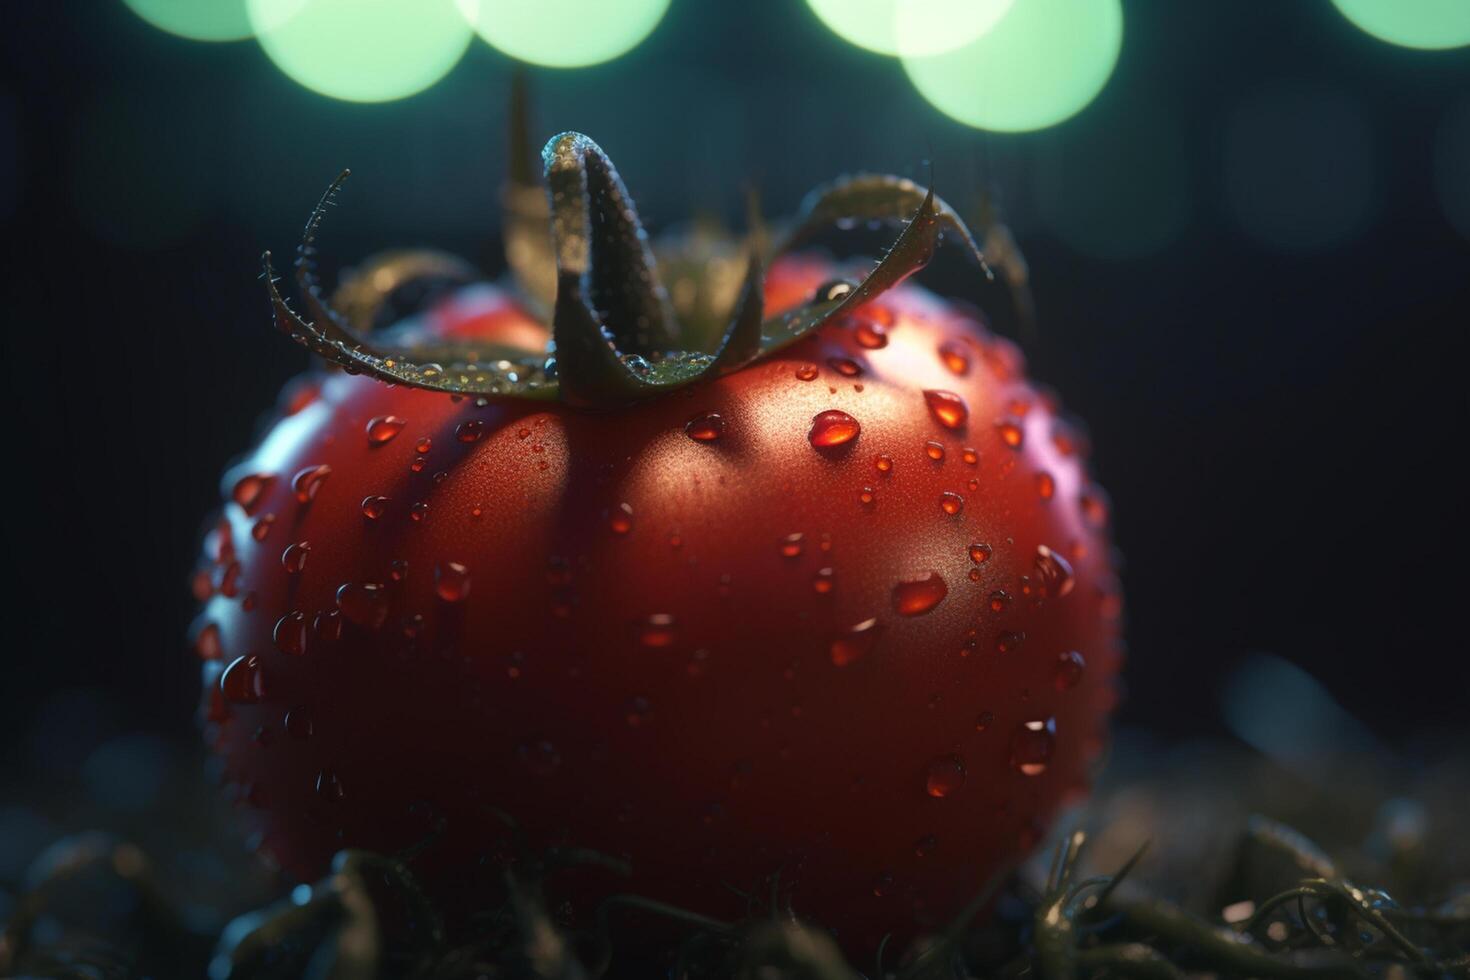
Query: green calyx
point(617, 337)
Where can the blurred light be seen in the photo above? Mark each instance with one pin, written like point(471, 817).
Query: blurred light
point(362, 50)
point(1282, 711)
point(564, 33)
point(1118, 189)
point(1452, 167)
point(198, 20)
point(910, 27)
point(1431, 24)
point(1039, 65)
point(1298, 167)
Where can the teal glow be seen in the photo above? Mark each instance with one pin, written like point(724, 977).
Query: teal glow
point(1041, 64)
point(1432, 24)
point(564, 33)
point(362, 50)
point(910, 27)
point(198, 20)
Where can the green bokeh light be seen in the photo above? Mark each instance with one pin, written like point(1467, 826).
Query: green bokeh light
point(910, 27)
point(1431, 24)
point(198, 20)
point(564, 33)
point(1042, 63)
point(362, 50)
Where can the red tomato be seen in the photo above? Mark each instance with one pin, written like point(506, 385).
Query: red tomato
point(846, 615)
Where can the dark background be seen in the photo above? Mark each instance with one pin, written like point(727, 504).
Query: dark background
point(1245, 255)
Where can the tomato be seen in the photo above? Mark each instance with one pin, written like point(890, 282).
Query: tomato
point(843, 619)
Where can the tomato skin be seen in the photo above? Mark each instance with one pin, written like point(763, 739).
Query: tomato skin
point(634, 640)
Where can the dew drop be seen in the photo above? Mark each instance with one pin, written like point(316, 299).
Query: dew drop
point(945, 776)
point(883, 463)
point(423, 446)
point(308, 482)
point(833, 428)
point(329, 786)
point(298, 723)
point(1054, 572)
point(249, 491)
point(948, 409)
point(871, 335)
point(793, 544)
point(1094, 505)
point(374, 507)
point(419, 511)
point(243, 681)
point(363, 603)
point(934, 451)
point(328, 626)
point(918, 597)
point(262, 528)
point(705, 428)
point(451, 581)
point(925, 845)
point(293, 559)
point(1009, 641)
point(398, 569)
point(845, 366)
point(1010, 432)
point(1068, 670)
point(806, 372)
point(970, 456)
point(831, 290)
point(955, 357)
point(383, 428)
point(470, 431)
point(980, 553)
point(620, 519)
point(1046, 485)
point(1000, 601)
point(1032, 744)
point(951, 503)
point(984, 720)
point(822, 581)
point(657, 631)
point(290, 633)
point(855, 644)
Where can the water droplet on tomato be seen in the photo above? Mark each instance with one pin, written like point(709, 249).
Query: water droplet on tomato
point(1094, 503)
point(833, 428)
point(984, 720)
point(382, 429)
point(883, 463)
point(290, 633)
point(806, 372)
point(855, 644)
point(822, 581)
point(1010, 433)
point(945, 776)
point(451, 581)
point(1009, 641)
point(469, 431)
point(657, 631)
point(329, 786)
point(924, 846)
point(1032, 744)
point(918, 597)
point(243, 681)
point(307, 483)
point(705, 428)
point(792, 544)
point(951, 503)
point(980, 553)
point(418, 512)
point(934, 450)
point(870, 335)
point(1000, 600)
point(955, 357)
point(328, 626)
point(293, 559)
point(1054, 572)
point(423, 446)
point(620, 519)
point(249, 491)
point(845, 366)
point(867, 496)
point(207, 643)
point(374, 507)
point(298, 723)
point(261, 529)
point(1046, 485)
point(1068, 670)
point(363, 603)
point(970, 456)
point(948, 409)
